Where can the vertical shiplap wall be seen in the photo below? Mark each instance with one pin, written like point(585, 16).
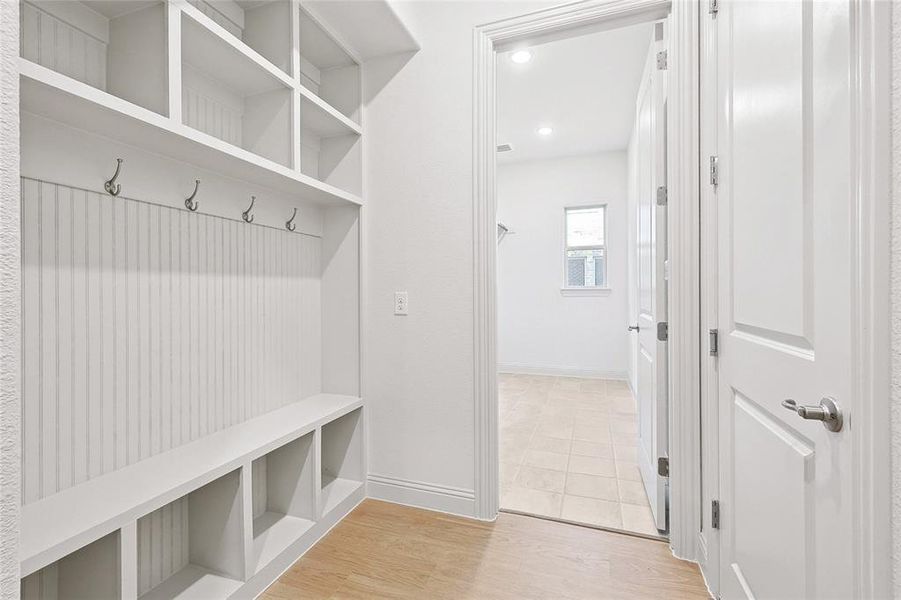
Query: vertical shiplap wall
point(210, 108)
point(58, 45)
point(163, 544)
point(147, 327)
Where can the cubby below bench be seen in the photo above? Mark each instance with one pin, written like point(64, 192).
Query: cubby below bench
point(223, 515)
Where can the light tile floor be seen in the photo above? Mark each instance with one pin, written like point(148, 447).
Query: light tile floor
point(568, 450)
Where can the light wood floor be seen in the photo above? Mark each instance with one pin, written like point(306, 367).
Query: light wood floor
point(385, 550)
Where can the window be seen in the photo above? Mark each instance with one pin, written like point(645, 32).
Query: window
point(585, 256)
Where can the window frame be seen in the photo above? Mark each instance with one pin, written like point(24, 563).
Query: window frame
point(571, 290)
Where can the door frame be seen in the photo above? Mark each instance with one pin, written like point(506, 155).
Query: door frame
point(683, 232)
point(872, 350)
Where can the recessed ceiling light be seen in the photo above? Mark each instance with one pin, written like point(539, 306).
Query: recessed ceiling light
point(545, 131)
point(521, 57)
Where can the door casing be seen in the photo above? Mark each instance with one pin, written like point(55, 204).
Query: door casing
point(682, 231)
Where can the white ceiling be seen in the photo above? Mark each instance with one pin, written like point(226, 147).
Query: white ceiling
point(583, 87)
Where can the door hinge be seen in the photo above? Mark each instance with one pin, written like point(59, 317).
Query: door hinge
point(662, 331)
point(714, 342)
point(661, 195)
point(661, 60)
point(715, 514)
point(713, 7)
point(714, 170)
point(663, 466)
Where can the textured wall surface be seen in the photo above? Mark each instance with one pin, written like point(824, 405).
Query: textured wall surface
point(896, 299)
point(10, 303)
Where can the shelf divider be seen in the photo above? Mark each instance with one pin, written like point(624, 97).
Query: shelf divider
point(128, 560)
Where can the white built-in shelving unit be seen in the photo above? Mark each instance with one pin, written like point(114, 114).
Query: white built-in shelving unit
point(192, 410)
point(261, 92)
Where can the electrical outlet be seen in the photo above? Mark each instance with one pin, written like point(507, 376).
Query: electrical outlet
point(401, 304)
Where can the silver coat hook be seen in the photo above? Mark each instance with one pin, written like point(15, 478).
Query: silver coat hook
point(111, 187)
point(189, 201)
point(289, 224)
point(248, 218)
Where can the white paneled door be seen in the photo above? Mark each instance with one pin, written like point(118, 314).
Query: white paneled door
point(786, 320)
point(651, 395)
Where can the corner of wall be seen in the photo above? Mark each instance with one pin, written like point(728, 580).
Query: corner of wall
point(896, 301)
point(10, 300)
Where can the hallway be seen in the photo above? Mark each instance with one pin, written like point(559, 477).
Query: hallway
point(568, 451)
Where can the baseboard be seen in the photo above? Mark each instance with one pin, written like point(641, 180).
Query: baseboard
point(517, 369)
point(456, 501)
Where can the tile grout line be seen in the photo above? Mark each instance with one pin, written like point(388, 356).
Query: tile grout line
point(609, 417)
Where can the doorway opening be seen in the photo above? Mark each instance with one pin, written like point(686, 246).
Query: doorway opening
point(581, 282)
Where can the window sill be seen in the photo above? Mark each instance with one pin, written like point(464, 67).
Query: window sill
point(585, 291)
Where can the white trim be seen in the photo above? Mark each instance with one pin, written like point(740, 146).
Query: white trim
point(551, 371)
point(586, 291)
point(446, 499)
point(683, 170)
point(709, 537)
point(683, 233)
point(871, 78)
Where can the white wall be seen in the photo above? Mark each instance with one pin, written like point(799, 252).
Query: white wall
point(896, 299)
point(541, 330)
point(10, 301)
point(419, 232)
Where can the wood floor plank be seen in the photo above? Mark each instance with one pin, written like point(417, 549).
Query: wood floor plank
point(384, 550)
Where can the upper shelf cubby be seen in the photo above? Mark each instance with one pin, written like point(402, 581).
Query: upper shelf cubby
point(115, 46)
point(264, 25)
point(228, 94)
point(327, 69)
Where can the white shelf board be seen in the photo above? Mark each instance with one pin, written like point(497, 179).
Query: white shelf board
point(193, 583)
point(367, 29)
point(336, 489)
point(49, 94)
point(60, 524)
point(208, 47)
point(273, 533)
point(322, 118)
point(318, 47)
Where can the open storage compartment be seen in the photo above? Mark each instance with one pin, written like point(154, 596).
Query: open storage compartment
point(327, 70)
point(342, 459)
point(284, 498)
point(228, 95)
point(330, 144)
point(331, 155)
point(89, 573)
point(193, 547)
point(264, 25)
point(117, 47)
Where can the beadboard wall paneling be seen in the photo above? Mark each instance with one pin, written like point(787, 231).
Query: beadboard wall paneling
point(221, 18)
point(55, 44)
point(210, 108)
point(147, 327)
point(163, 544)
